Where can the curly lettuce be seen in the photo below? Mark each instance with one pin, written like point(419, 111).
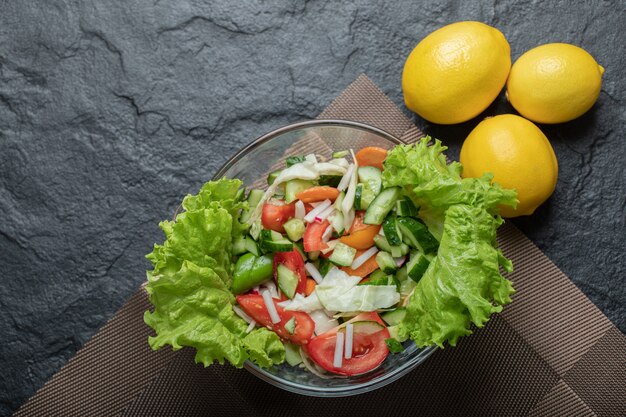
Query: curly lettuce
point(462, 285)
point(189, 286)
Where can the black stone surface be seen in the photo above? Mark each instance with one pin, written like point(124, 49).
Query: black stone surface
point(112, 110)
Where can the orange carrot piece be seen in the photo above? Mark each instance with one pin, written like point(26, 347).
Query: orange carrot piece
point(364, 270)
point(310, 286)
point(318, 193)
point(371, 156)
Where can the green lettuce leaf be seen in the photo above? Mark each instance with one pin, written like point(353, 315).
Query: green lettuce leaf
point(463, 284)
point(433, 185)
point(189, 286)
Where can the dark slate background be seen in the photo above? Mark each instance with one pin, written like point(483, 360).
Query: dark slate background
point(112, 110)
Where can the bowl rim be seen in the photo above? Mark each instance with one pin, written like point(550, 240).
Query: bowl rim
point(287, 385)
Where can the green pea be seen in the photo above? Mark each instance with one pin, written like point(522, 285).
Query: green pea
point(251, 271)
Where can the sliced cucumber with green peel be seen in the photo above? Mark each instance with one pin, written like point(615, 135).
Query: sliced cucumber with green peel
point(381, 243)
point(339, 154)
point(293, 187)
point(254, 197)
point(292, 354)
point(381, 206)
point(272, 176)
point(394, 317)
point(376, 275)
point(294, 229)
point(339, 201)
point(290, 326)
point(402, 274)
point(363, 197)
point(252, 246)
point(393, 332)
point(324, 266)
point(329, 180)
point(287, 280)
point(271, 241)
point(372, 177)
point(366, 327)
point(337, 223)
point(343, 255)
point(417, 266)
point(416, 235)
point(405, 207)
point(392, 232)
point(386, 263)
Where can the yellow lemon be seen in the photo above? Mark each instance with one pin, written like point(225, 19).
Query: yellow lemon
point(554, 83)
point(518, 154)
point(456, 72)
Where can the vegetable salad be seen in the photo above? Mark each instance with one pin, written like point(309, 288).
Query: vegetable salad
point(334, 265)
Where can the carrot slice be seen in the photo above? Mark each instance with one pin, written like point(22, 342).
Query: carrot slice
point(362, 238)
point(371, 156)
point(310, 286)
point(364, 270)
point(318, 193)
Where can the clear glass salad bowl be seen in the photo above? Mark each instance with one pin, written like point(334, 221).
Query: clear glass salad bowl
point(252, 165)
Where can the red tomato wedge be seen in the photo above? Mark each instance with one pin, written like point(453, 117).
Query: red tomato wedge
point(274, 216)
point(368, 350)
point(254, 306)
point(313, 236)
point(292, 260)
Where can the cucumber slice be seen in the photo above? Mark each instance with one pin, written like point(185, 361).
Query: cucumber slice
point(290, 326)
point(393, 332)
point(376, 275)
point(394, 317)
point(405, 207)
point(239, 245)
point(339, 200)
point(337, 223)
point(417, 266)
point(292, 354)
point(272, 176)
point(416, 235)
point(329, 180)
point(372, 177)
point(381, 243)
point(363, 197)
point(295, 229)
point(254, 197)
point(324, 266)
point(392, 232)
point(299, 246)
point(287, 280)
point(313, 256)
point(293, 187)
point(271, 241)
point(339, 154)
point(252, 247)
point(386, 263)
point(381, 206)
point(402, 274)
point(343, 255)
point(366, 327)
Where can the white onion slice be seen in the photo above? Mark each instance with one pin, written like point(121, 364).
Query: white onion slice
point(364, 257)
point(348, 219)
point(242, 314)
point(349, 335)
point(324, 214)
point(338, 358)
point(312, 366)
point(271, 308)
point(251, 326)
point(345, 180)
point(400, 261)
point(315, 274)
point(317, 210)
point(300, 210)
point(328, 233)
point(271, 287)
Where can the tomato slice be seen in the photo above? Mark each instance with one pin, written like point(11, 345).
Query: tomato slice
point(368, 351)
point(313, 236)
point(254, 306)
point(292, 260)
point(274, 216)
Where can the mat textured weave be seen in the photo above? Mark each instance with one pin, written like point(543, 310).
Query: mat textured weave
point(550, 353)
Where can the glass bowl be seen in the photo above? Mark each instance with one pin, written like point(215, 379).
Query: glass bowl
point(268, 153)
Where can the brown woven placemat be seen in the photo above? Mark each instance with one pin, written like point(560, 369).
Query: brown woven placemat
point(550, 353)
